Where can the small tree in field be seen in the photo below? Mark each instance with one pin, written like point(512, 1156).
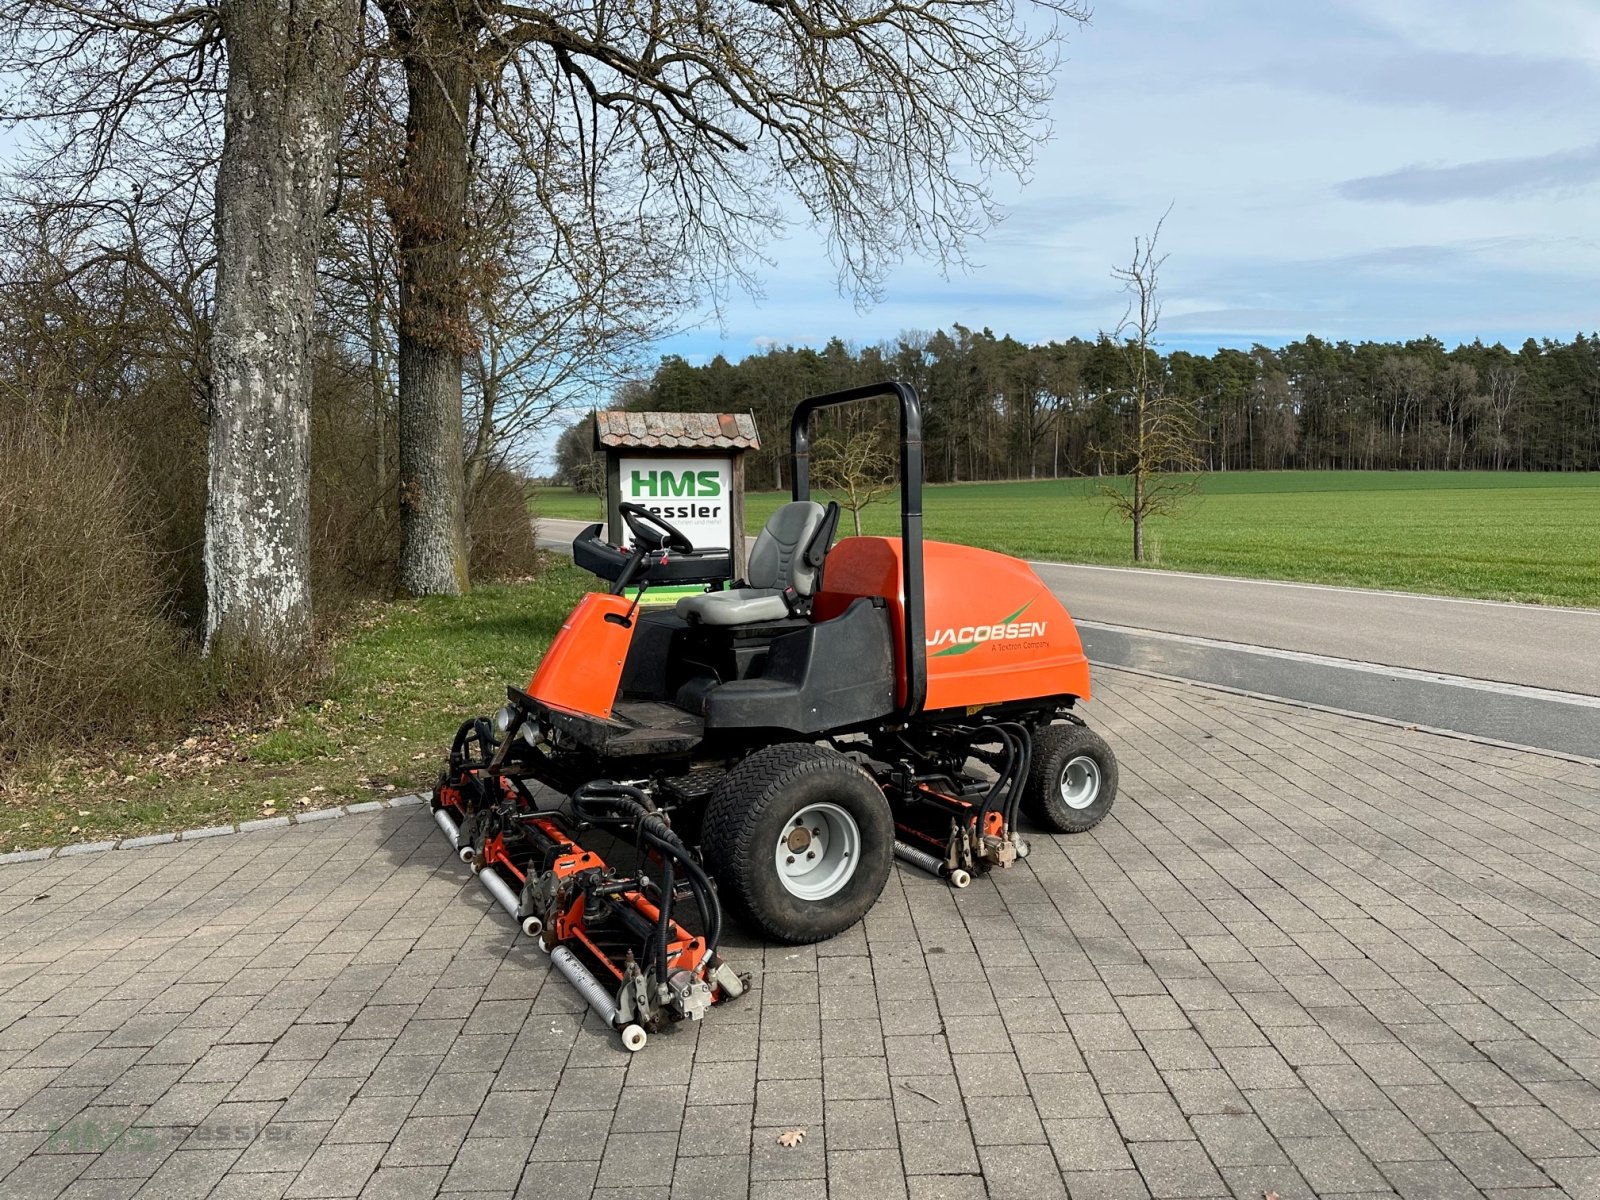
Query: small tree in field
point(1157, 447)
point(856, 469)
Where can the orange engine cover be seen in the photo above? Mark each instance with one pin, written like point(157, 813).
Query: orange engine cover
point(581, 670)
point(994, 631)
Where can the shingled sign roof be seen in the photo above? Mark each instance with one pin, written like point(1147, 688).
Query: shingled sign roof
point(676, 431)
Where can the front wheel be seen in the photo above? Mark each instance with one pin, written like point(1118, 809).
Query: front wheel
point(800, 841)
point(1072, 783)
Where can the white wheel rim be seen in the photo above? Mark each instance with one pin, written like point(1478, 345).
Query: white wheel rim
point(817, 851)
point(1080, 782)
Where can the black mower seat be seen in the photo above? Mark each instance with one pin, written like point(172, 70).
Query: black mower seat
point(785, 569)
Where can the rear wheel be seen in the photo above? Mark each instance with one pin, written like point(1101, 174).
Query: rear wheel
point(800, 841)
point(1073, 781)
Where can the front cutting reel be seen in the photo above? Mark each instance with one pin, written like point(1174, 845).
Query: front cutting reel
point(611, 932)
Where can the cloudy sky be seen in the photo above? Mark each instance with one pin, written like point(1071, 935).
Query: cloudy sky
point(1352, 168)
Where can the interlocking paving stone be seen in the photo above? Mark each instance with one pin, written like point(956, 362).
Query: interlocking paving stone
point(1307, 954)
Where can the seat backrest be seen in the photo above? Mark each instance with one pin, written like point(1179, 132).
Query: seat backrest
point(779, 559)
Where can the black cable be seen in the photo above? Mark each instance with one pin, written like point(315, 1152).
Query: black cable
point(606, 803)
point(664, 918)
point(1024, 769)
point(993, 793)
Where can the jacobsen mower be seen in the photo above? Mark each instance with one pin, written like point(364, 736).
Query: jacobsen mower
point(770, 746)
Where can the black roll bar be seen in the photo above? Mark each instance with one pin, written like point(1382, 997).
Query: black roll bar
point(916, 654)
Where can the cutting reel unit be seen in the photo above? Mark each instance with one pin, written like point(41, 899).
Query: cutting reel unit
point(611, 932)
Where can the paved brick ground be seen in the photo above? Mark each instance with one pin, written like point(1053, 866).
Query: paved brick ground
point(1306, 955)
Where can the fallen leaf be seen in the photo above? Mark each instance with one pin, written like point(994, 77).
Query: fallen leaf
point(1270, 1196)
point(792, 1138)
point(74, 829)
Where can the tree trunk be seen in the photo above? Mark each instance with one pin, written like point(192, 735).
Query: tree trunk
point(284, 107)
point(434, 330)
point(1138, 515)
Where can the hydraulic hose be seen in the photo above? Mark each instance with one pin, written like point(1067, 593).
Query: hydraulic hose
point(1003, 778)
point(606, 803)
point(1019, 779)
point(664, 919)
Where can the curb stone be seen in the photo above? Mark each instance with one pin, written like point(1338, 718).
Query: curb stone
point(151, 839)
point(264, 823)
point(210, 831)
point(22, 856)
point(407, 800)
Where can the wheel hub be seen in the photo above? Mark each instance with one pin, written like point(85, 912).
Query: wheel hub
point(1080, 782)
point(817, 852)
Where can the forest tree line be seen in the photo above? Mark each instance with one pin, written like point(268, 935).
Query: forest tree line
point(997, 408)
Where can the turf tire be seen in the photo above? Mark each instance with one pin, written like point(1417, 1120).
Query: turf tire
point(750, 809)
point(1054, 747)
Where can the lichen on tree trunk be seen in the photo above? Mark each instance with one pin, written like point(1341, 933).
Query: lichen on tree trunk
point(284, 107)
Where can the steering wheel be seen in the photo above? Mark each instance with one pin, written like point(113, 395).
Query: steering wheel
point(638, 517)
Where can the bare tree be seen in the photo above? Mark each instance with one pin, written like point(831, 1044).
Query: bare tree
point(286, 67)
point(1455, 386)
point(1500, 402)
point(855, 468)
point(550, 331)
point(131, 91)
point(360, 271)
point(699, 117)
point(578, 464)
point(1158, 446)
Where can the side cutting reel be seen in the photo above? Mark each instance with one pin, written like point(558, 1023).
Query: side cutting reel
point(612, 933)
point(951, 824)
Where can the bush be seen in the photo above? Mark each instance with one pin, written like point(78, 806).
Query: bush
point(86, 642)
point(355, 527)
point(500, 528)
point(102, 511)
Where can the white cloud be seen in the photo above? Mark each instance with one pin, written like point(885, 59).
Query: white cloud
point(1273, 128)
point(1565, 171)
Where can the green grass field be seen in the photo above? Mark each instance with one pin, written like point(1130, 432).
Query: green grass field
point(1497, 536)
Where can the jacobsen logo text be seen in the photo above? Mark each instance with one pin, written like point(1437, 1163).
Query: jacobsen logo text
point(968, 637)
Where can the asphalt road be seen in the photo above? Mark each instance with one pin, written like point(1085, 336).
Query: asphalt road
point(1524, 644)
point(1513, 672)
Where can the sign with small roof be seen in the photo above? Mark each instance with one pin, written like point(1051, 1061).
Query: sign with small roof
point(686, 467)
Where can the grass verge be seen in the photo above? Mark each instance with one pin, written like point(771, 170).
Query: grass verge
point(402, 680)
point(1489, 535)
